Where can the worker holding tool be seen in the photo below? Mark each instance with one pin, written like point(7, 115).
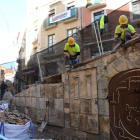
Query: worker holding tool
point(124, 31)
point(103, 21)
point(72, 53)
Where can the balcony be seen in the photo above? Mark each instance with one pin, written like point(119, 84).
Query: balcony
point(73, 17)
point(34, 40)
point(47, 25)
point(95, 4)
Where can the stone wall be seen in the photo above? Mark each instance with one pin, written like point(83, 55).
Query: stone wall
point(79, 102)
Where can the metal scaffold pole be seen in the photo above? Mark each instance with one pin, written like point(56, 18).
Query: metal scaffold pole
point(40, 72)
point(100, 38)
point(97, 39)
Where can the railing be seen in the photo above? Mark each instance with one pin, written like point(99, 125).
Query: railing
point(52, 59)
point(47, 23)
point(74, 14)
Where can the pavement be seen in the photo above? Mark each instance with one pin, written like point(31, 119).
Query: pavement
point(50, 133)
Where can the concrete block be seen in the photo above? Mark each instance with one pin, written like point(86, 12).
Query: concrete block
point(40, 115)
point(33, 102)
point(13, 101)
point(74, 120)
point(93, 126)
point(59, 104)
point(33, 113)
point(103, 107)
point(38, 90)
point(102, 94)
point(41, 103)
point(82, 122)
point(27, 92)
point(103, 84)
point(17, 99)
point(75, 106)
point(94, 107)
point(60, 118)
point(85, 106)
point(42, 91)
point(28, 101)
point(22, 101)
point(104, 124)
point(33, 91)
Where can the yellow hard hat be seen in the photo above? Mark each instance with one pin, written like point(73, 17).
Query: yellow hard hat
point(71, 41)
point(123, 19)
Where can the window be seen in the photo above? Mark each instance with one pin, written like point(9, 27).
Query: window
point(71, 32)
point(51, 40)
point(98, 15)
point(70, 5)
point(136, 10)
point(52, 13)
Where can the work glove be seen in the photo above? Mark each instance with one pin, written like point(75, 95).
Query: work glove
point(101, 32)
point(76, 61)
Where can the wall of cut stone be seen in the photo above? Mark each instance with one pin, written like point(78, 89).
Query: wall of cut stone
point(79, 102)
point(108, 65)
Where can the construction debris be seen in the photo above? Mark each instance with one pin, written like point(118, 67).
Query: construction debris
point(13, 117)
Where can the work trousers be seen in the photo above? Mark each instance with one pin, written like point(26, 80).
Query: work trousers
point(67, 62)
point(127, 34)
point(2, 93)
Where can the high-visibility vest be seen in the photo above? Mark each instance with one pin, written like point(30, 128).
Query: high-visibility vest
point(103, 20)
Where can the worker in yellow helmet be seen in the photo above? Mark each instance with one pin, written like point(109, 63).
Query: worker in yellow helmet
point(124, 31)
point(72, 52)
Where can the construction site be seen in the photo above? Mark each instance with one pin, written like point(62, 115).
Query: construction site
point(98, 99)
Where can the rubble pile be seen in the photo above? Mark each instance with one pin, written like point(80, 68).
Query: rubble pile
point(13, 117)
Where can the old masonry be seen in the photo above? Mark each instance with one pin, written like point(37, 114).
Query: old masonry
point(99, 99)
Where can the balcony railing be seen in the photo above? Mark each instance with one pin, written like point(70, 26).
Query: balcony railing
point(74, 15)
point(47, 24)
point(95, 4)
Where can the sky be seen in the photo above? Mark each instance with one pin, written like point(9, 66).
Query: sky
point(12, 14)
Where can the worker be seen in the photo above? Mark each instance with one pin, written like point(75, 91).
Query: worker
point(103, 20)
point(124, 31)
point(72, 53)
point(3, 87)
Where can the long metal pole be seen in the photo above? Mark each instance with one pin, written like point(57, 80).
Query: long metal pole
point(100, 38)
point(39, 67)
point(97, 39)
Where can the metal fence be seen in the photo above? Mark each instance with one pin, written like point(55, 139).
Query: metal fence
point(52, 60)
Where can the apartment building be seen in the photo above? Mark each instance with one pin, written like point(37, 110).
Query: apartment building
point(49, 24)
